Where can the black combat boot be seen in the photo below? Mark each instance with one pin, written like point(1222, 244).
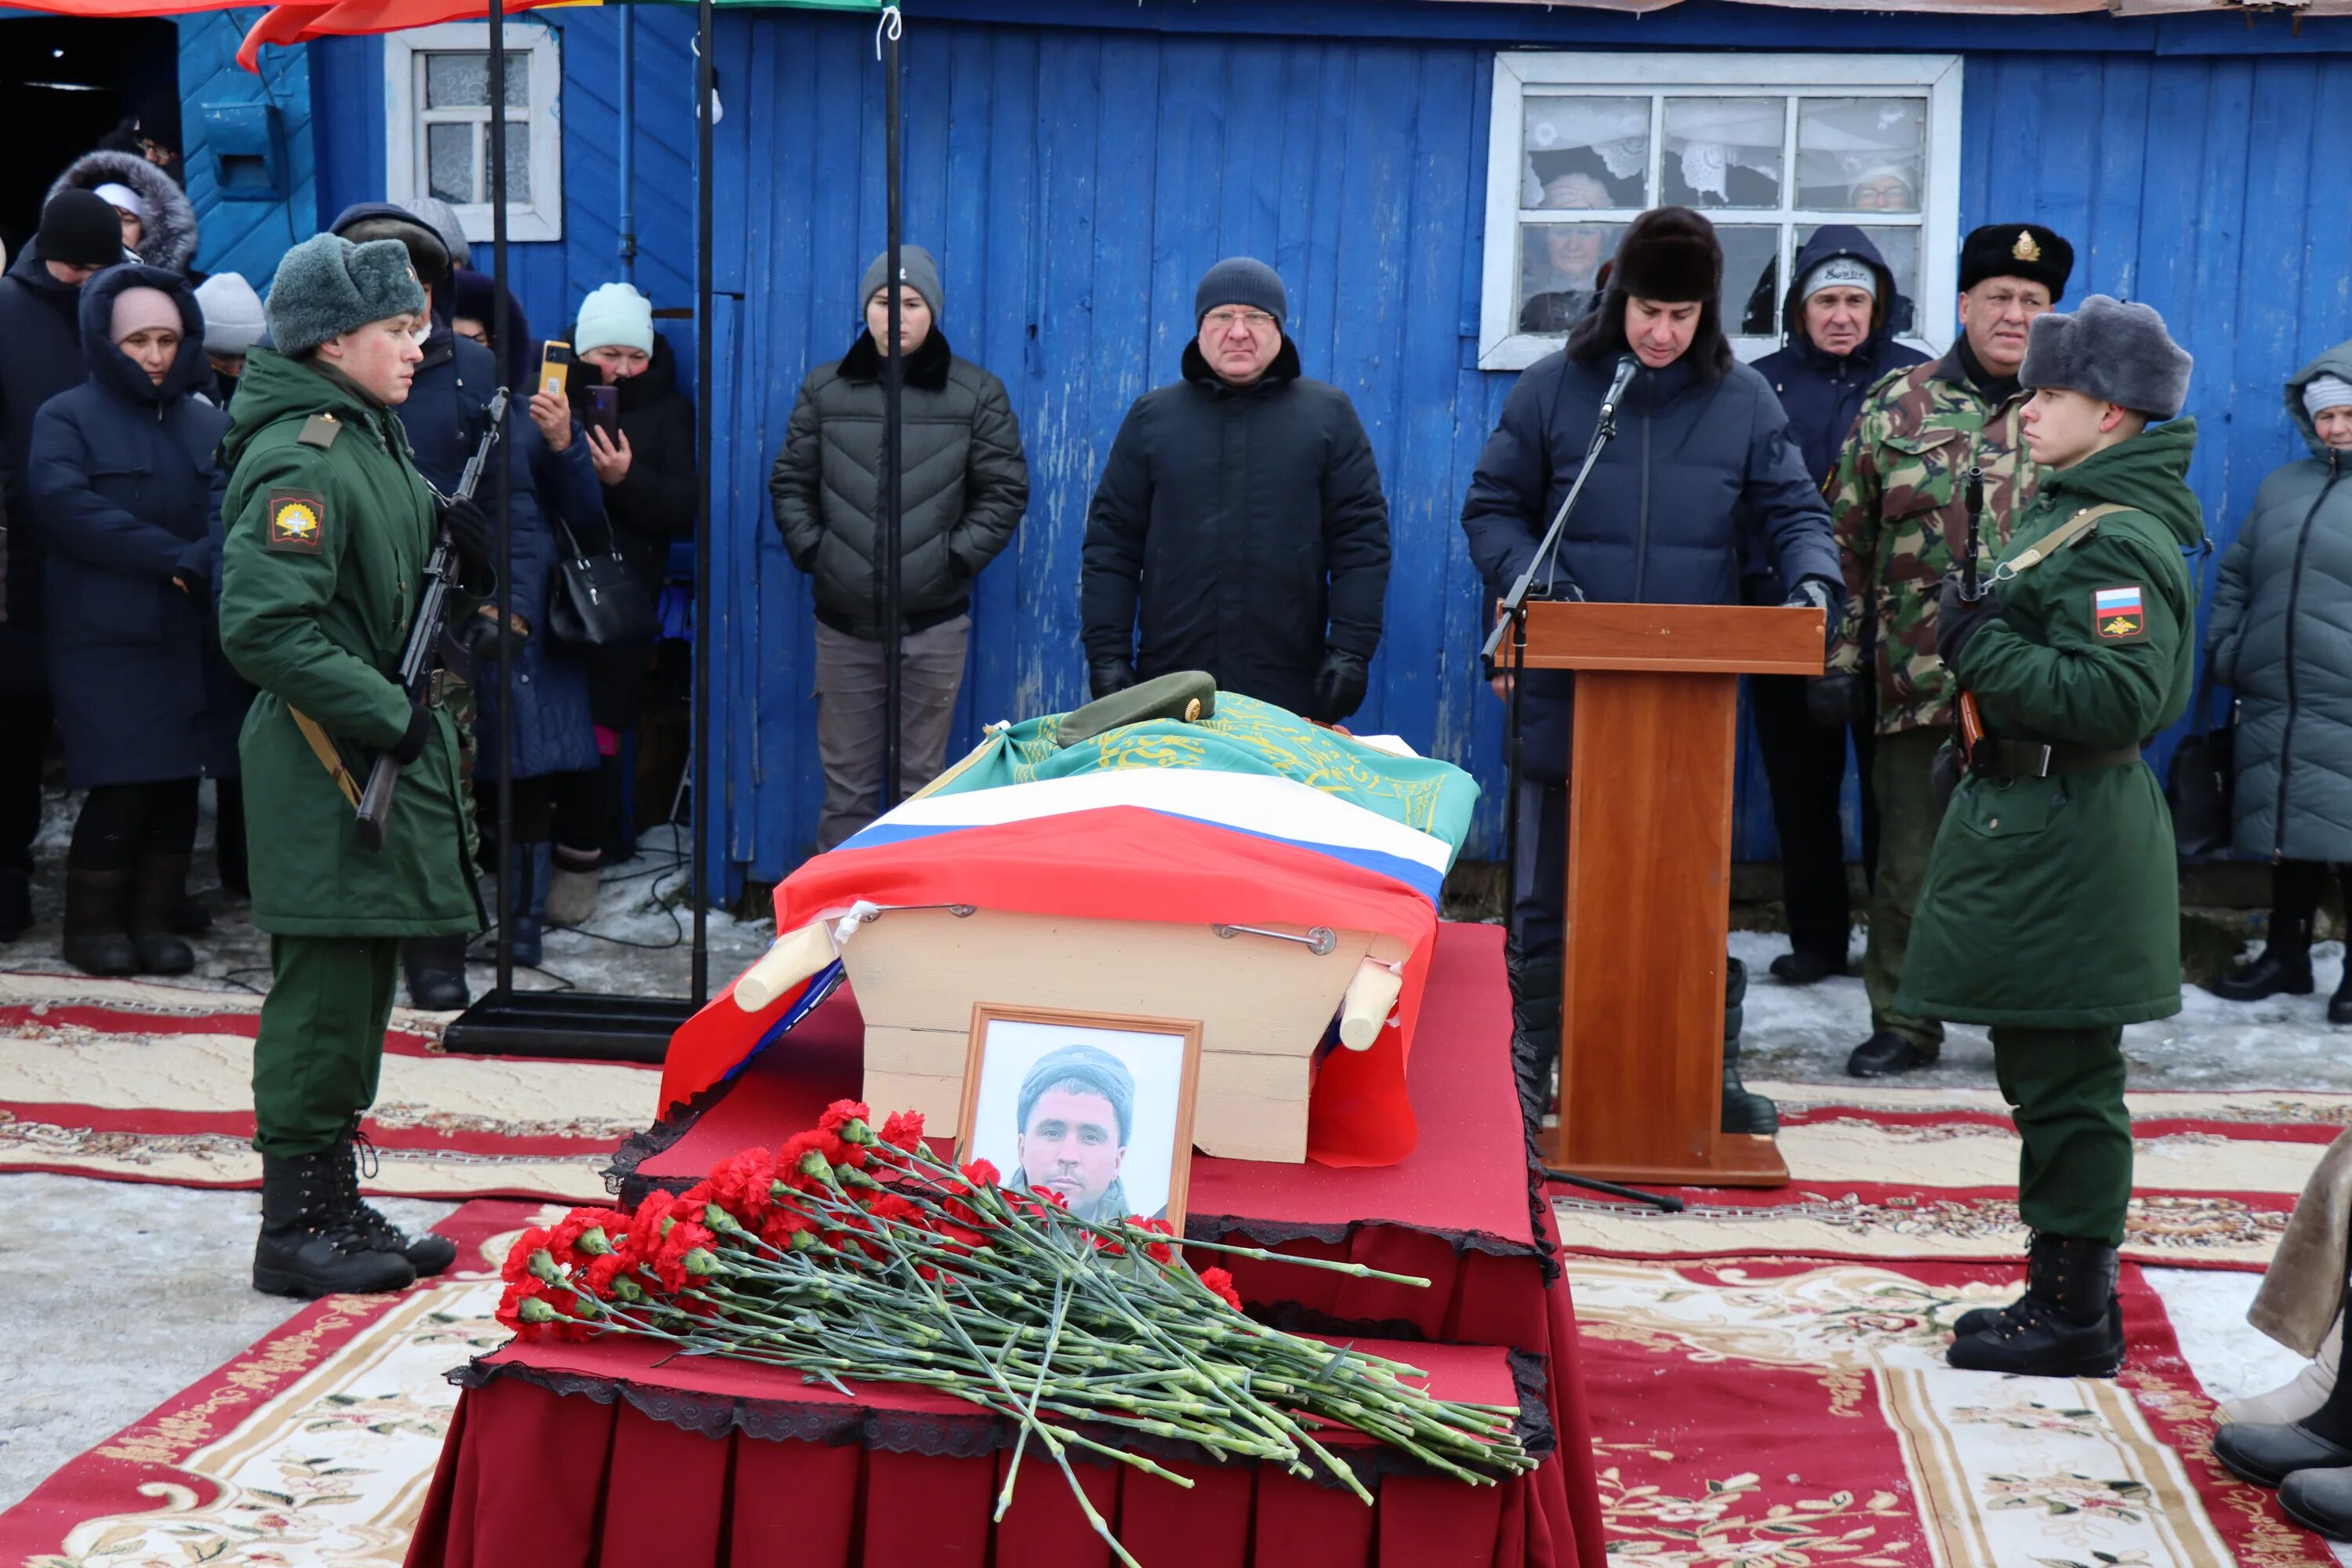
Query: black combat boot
point(1742, 1112)
point(2283, 969)
point(435, 970)
point(428, 1254)
point(2069, 1322)
point(95, 940)
point(159, 888)
point(1887, 1053)
point(309, 1246)
point(1804, 966)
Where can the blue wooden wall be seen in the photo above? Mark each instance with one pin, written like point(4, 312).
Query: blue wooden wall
point(244, 236)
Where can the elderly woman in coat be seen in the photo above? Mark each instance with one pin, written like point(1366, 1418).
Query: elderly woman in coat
point(2278, 637)
point(120, 471)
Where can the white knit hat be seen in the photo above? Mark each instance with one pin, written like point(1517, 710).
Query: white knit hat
point(1841, 272)
point(123, 198)
point(2325, 392)
point(614, 315)
point(232, 313)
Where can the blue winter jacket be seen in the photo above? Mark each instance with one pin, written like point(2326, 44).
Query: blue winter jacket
point(1698, 466)
point(1821, 392)
point(119, 476)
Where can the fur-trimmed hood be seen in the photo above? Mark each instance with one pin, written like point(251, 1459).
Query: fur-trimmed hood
point(170, 240)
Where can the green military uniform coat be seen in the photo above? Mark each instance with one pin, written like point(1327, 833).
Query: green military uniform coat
point(2054, 902)
point(329, 529)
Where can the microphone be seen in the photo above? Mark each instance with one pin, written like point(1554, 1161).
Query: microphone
point(1626, 366)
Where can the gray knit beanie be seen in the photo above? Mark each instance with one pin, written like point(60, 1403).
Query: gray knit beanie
point(1088, 1069)
point(917, 270)
point(327, 286)
point(1242, 280)
point(2116, 353)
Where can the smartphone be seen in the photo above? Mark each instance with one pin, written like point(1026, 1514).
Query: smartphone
point(604, 411)
point(554, 365)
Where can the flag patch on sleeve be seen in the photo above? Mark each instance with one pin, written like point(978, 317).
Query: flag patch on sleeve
point(2118, 614)
point(297, 521)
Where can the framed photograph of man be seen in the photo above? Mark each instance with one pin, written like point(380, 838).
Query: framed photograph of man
point(1096, 1107)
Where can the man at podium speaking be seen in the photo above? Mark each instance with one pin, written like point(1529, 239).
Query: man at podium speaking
point(1702, 463)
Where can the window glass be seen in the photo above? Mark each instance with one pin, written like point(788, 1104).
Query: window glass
point(1860, 154)
point(1724, 152)
point(449, 161)
point(1557, 264)
point(1585, 153)
point(1750, 253)
point(518, 158)
point(456, 81)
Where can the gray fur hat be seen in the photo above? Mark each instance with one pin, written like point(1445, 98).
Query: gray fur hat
point(917, 270)
point(327, 286)
point(2116, 353)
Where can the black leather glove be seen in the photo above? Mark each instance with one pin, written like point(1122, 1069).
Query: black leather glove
point(1339, 686)
point(1838, 699)
point(1556, 586)
point(1104, 676)
point(412, 741)
point(470, 535)
point(1957, 619)
point(1820, 593)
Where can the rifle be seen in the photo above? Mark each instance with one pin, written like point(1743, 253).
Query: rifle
point(1969, 730)
point(424, 633)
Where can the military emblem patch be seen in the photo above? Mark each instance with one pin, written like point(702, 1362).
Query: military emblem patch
point(298, 521)
point(2025, 249)
point(2118, 614)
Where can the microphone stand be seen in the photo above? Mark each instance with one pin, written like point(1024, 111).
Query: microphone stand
point(1514, 622)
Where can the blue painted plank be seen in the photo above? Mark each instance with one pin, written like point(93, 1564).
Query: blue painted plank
point(1007, 93)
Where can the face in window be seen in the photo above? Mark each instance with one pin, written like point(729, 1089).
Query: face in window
point(381, 357)
point(1997, 314)
point(1071, 1146)
point(1579, 191)
point(1660, 331)
point(1883, 192)
point(618, 362)
point(1574, 253)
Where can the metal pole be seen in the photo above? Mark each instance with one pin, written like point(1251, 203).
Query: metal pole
point(628, 144)
point(510, 861)
point(893, 439)
point(705, 815)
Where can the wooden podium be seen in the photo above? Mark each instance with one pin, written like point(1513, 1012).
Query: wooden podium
point(1649, 880)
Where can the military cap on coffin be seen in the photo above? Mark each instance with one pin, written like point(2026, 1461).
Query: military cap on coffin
point(1187, 695)
point(2108, 350)
point(2024, 250)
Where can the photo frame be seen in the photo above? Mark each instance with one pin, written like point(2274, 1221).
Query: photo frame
point(1101, 1103)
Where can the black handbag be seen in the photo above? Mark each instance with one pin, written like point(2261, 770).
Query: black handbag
point(598, 601)
point(2199, 783)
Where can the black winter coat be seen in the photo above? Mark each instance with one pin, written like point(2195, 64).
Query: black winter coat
point(1698, 465)
point(654, 501)
point(1244, 528)
point(965, 487)
point(40, 356)
point(121, 480)
point(1821, 392)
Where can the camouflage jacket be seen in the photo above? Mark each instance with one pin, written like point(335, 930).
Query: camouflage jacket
point(1898, 500)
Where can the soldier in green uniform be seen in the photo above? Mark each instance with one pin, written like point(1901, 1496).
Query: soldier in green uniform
point(329, 529)
point(2052, 910)
point(1897, 504)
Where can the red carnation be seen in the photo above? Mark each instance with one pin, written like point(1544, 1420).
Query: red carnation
point(840, 1114)
point(1158, 1251)
point(792, 1160)
point(1221, 1283)
point(741, 1185)
point(980, 1174)
point(564, 1240)
point(903, 1130)
point(683, 1238)
point(783, 1222)
point(518, 1263)
point(599, 1275)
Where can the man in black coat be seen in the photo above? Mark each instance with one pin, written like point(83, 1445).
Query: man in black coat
point(1702, 465)
point(1240, 520)
point(1840, 341)
point(40, 356)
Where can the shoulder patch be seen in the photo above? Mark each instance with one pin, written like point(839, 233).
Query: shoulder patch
point(319, 430)
point(2119, 615)
point(298, 521)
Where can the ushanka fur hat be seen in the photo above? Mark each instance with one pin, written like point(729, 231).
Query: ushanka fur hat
point(327, 286)
point(2116, 353)
point(1670, 255)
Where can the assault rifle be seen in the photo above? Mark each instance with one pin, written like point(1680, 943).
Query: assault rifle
point(425, 632)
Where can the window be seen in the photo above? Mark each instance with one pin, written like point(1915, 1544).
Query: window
point(437, 125)
point(1770, 147)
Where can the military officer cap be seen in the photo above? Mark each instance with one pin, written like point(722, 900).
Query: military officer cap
point(2024, 250)
point(2116, 353)
point(1187, 695)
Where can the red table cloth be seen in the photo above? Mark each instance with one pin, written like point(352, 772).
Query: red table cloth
point(624, 1451)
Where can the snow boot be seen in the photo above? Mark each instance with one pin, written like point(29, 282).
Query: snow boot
point(159, 888)
point(95, 940)
point(572, 883)
point(429, 1254)
point(1803, 966)
point(1887, 1053)
point(2069, 1322)
point(1742, 1111)
point(434, 967)
point(2300, 1396)
point(311, 1246)
point(2283, 969)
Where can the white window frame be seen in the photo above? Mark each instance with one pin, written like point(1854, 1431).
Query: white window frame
point(1502, 346)
point(532, 48)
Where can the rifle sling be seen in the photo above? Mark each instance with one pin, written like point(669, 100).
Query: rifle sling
point(322, 746)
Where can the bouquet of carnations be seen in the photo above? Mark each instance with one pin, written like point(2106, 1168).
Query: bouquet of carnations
point(857, 1253)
